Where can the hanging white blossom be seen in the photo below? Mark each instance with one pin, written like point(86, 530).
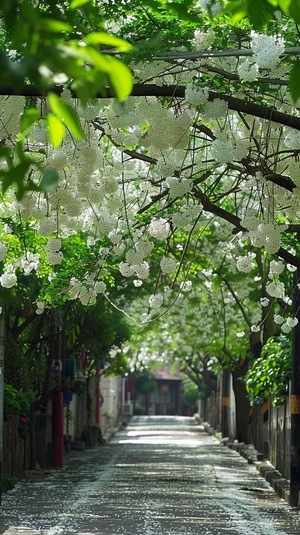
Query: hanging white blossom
point(155, 301)
point(3, 251)
point(168, 265)
point(8, 280)
point(196, 96)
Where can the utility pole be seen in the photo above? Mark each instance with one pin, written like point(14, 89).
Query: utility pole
point(295, 401)
point(1, 397)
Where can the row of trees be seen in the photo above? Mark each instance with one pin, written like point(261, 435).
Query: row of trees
point(177, 206)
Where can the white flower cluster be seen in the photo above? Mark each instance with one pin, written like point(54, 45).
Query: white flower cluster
point(10, 110)
point(286, 325)
point(276, 289)
point(54, 255)
point(222, 150)
point(179, 187)
point(142, 271)
point(56, 160)
point(86, 291)
point(261, 234)
point(267, 235)
point(186, 286)
point(215, 109)
point(292, 140)
point(156, 300)
point(247, 70)
point(3, 251)
point(240, 334)
point(89, 112)
point(47, 226)
point(203, 40)
point(212, 7)
point(159, 228)
point(30, 262)
point(40, 307)
point(9, 278)
point(53, 245)
point(276, 267)
point(267, 50)
point(166, 130)
point(99, 287)
point(186, 216)
point(74, 288)
point(195, 96)
point(87, 295)
point(245, 263)
point(168, 265)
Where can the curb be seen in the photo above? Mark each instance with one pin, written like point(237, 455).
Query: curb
point(280, 485)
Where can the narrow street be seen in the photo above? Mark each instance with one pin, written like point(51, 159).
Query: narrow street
point(159, 476)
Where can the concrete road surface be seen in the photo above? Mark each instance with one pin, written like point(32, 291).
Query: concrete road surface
point(160, 476)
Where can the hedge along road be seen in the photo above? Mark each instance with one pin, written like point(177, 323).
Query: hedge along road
point(159, 476)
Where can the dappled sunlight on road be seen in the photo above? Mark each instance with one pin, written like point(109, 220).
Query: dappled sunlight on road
point(159, 476)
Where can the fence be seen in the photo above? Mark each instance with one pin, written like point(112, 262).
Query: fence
point(270, 428)
point(16, 450)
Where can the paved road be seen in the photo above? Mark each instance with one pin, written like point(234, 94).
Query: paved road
point(160, 476)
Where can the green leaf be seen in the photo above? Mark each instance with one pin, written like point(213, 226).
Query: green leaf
point(119, 75)
point(28, 118)
point(284, 5)
point(294, 81)
point(56, 129)
point(104, 38)
point(53, 25)
point(78, 3)
point(260, 12)
point(121, 79)
point(294, 10)
point(19, 148)
point(67, 114)
point(238, 11)
point(49, 180)
point(15, 175)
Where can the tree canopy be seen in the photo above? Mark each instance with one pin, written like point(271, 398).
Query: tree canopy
point(181, 194)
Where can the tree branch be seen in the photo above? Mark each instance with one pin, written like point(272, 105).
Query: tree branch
point(147, 90)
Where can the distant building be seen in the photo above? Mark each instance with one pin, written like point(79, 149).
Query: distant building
point(164, 395)
point(168, 395)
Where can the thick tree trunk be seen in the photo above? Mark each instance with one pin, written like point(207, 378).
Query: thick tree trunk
point(242, 404)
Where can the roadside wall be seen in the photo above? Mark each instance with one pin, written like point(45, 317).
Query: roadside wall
point(271, 430)
point(16, 448)
point(270, 427)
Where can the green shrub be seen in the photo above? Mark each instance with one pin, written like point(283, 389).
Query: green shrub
point(271, 372)
point(18, 403)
